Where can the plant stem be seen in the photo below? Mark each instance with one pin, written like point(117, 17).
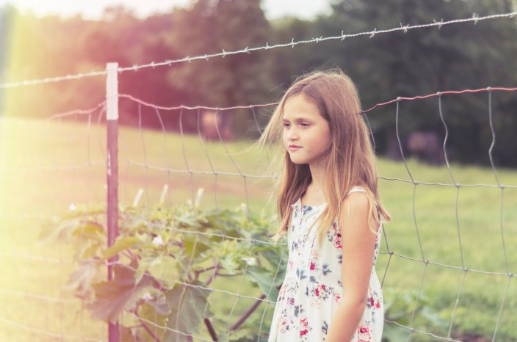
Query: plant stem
point(146, 328)
point(198, 272)
point(248, 313)
point(211, 329)
point(214, 274)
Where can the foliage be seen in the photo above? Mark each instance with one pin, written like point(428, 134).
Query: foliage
point(209, 27)
point(400, 307)
point(165, 262)
point(213, 26)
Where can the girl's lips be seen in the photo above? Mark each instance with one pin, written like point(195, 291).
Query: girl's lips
point(293, 147)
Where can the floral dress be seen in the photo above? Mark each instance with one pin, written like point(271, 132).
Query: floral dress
point(312, 287)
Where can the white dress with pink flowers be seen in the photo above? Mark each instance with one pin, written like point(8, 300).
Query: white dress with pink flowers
point(312, 287)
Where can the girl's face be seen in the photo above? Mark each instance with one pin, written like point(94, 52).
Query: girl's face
point(306, 134)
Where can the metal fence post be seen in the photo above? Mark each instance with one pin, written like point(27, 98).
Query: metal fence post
point(112, 173)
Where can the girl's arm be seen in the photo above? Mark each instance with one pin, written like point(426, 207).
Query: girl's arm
point(358, 249)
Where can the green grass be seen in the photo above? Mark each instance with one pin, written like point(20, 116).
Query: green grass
point(37, 182)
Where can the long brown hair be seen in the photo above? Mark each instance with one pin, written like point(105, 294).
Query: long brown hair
point(350, 160)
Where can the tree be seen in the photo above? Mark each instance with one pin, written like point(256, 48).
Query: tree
point(425, 61)
point(211, 26)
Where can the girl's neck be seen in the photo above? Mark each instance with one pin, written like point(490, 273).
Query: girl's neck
point(318, 175)
point(314, 194)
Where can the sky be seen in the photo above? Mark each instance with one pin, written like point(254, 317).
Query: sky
point(93, 8)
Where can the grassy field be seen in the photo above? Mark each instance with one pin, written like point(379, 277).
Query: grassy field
point(443, 242)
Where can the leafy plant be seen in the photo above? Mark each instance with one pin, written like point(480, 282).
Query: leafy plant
point(409, 309)
point(164, 264)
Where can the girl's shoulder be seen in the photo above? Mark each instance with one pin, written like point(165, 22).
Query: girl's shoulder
point(363, 204)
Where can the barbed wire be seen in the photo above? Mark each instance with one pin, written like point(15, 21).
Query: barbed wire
point(99, 106)
point(342, 36)
point(197, 107)
point(440, 93)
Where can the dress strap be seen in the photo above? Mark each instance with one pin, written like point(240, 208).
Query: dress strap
point(357, 189)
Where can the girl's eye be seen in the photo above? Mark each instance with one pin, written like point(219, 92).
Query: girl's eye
point(305, 124)
point(286, 124)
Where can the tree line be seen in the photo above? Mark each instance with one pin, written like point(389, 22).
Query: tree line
point(423, 61)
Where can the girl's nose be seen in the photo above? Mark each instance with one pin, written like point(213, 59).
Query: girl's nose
point(292, 134)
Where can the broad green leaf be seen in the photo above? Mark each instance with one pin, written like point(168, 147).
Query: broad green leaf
point(165, 269)
point(81, 280)
point(231, 255)
point(120, 245)
point(90, 230)
point(158, 301)
point(188, 220)
point(274, 257)
point(112, 297)
point(188, 307)
point(194, 245)
point(265, 280)
point(230, 263)
point(148, 312)
point(89, 250)
point(143, 266)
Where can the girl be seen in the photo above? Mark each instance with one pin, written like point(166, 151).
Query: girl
point(330, 210)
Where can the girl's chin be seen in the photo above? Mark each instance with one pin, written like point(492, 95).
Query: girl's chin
point(306, 161)
point(298, 161)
